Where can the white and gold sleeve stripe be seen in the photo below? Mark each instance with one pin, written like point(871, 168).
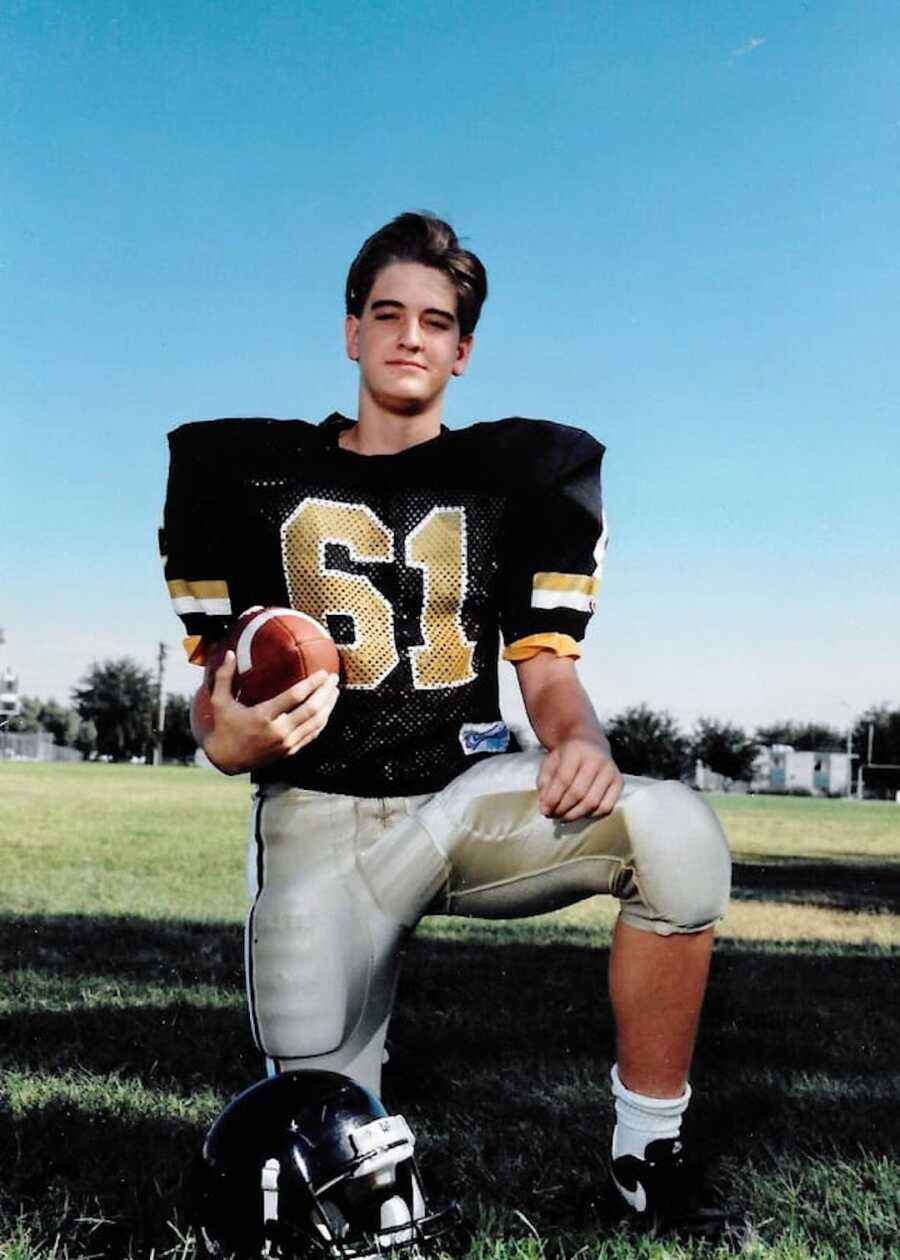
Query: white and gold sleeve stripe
point(571, 590)
point(200, 597)
point(564, 590)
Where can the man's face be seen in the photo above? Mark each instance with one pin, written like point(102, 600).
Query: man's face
point(407, 339)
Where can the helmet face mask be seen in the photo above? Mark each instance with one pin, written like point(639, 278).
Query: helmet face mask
point(310, 1163)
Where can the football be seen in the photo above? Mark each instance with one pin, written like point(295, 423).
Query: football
point(275, 648)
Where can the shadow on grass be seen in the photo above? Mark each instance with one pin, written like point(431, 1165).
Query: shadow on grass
point(499, 1059)
point(109, 1183)
point(835, 885)
point(152, 951)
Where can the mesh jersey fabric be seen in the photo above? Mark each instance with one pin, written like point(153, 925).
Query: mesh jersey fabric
point(415, 561)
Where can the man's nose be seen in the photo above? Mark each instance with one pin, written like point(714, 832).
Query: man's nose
point(410, 335)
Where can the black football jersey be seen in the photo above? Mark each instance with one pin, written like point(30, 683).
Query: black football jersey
point(417, 562)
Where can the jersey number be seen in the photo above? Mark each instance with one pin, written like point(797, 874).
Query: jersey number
point(437, 546)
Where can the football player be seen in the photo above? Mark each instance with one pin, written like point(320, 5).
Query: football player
point(400, 791)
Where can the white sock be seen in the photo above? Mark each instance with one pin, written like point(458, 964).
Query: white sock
point(641, 1120)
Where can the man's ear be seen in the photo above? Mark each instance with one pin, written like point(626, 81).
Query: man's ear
point(351, 337)
point(463, 352)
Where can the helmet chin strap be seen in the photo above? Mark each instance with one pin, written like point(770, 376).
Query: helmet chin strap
point(395, 1214)
point(269, 1178)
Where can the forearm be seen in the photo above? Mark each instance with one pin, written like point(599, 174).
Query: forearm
point(201, 715)
point(578, 777)
point(557, 705)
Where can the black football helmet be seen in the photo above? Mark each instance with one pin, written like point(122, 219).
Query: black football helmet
point(310, 1164)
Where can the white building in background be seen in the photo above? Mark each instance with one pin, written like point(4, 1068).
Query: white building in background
point(706, 780)
point(782, 768)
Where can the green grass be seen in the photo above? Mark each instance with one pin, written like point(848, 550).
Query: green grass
point(797, 826)
point(123, 1031)
point(96, 839)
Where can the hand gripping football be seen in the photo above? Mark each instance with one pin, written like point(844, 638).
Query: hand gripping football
point(275, 648)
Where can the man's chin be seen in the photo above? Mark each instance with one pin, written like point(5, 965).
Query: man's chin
point(403, 404)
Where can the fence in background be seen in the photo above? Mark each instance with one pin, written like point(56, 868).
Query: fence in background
point(34, 747)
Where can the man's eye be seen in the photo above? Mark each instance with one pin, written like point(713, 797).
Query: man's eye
point(436, 323)
point(387, 315)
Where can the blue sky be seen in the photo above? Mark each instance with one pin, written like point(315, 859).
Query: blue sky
point(689, 216)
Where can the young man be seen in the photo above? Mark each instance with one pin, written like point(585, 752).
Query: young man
point(400, 791)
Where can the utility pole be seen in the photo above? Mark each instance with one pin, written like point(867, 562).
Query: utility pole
point(860, 781)
point(850, 753)
point(161, 705)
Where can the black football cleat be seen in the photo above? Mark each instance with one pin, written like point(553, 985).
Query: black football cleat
point(665, 1193)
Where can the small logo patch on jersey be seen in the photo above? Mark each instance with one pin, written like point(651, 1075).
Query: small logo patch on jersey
point(479, 737)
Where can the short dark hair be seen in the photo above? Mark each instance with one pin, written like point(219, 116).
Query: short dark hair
point(422, 238)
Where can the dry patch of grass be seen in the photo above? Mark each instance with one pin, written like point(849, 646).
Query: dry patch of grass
point(748, 921)
point(775, 921)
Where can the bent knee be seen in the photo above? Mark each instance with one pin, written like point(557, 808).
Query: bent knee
point(681, 860)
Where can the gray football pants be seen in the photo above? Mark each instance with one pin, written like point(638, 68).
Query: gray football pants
point(338, 882)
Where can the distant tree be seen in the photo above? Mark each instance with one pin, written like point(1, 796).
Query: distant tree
point(27, 720)
point(178, 742)
point(648, 742)
point(726, 749)
point(118, 698)
point(885, 722)
point(804, 736)
point(85, 739)
point(61, 723)
point(65, 725)
point(44, 715)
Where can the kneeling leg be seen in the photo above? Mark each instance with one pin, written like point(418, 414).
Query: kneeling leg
point(322, 958)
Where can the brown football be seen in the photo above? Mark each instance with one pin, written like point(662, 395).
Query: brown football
point(275, 648)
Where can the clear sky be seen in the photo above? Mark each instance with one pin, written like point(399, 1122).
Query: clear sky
point(689, 213)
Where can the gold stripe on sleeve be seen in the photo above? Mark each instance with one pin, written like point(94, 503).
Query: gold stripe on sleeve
point(178, 588)
point(524, 649)
point(577, 583)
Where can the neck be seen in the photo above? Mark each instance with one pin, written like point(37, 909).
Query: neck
point(380, 431)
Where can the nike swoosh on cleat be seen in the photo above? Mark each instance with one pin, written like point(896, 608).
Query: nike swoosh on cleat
point(636, 1198)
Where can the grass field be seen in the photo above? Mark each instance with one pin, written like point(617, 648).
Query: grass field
point(123, 1031)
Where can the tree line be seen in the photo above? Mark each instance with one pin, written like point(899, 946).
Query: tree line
point(114, 711)
point(113, 715)
point(651, 742)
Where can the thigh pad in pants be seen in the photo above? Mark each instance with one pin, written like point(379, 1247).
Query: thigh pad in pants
point(322, 957)
point(661, 851)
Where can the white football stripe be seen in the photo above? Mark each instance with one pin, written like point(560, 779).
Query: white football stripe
point(562, 599)
point(243, 651)
point(212, 607)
